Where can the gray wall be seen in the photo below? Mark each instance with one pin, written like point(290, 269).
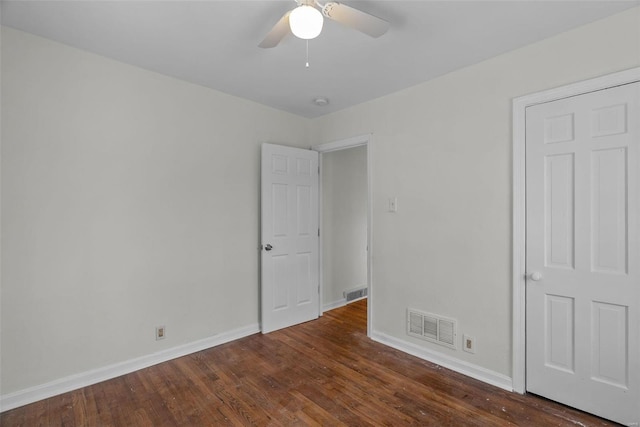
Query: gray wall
point(129, 200)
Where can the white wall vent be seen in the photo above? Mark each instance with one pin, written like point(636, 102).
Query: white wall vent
point(432, 327)
point(354, 294)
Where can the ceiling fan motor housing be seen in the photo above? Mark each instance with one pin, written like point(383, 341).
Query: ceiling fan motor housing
point(327, 8)
point(301, 21)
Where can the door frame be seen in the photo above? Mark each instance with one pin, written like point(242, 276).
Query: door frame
point(343, 144)
point(520, 105)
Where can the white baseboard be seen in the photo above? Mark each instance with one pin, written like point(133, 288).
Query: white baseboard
point(83, 379)
point(469, 369)
point(336, 304)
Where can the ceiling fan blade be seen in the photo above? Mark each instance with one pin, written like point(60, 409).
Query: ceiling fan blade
point(277, 33)
point(356, 19)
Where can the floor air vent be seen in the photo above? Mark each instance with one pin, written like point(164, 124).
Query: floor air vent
point(355, 294)
point(432, 327)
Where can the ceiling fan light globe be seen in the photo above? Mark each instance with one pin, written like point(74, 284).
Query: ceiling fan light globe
point(306, 22)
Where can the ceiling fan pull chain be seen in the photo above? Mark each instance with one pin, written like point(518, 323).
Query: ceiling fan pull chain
point(307, 65)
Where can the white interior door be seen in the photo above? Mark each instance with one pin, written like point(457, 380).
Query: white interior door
point(290, 252)
point(582, 252)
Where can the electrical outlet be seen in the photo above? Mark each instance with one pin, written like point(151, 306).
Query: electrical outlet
point(468, 344)
point(160, 332)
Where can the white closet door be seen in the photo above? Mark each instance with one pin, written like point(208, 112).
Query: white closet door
point(583, 257)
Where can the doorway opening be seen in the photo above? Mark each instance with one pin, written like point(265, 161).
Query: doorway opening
point(345, 223)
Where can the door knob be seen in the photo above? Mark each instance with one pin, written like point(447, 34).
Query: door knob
point(268, 247)
point(535, 276)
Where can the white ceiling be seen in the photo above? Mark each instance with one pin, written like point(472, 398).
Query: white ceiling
point(214, 43)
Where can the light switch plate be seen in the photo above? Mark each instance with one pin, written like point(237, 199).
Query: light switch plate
point(393, 204)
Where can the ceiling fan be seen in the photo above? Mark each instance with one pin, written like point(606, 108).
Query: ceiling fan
point(305, 21)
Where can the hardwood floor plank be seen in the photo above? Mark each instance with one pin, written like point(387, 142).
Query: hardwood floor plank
point(375, 382)
point(311, 410)
point(326, 372)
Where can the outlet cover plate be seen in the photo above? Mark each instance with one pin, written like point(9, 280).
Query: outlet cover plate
point(468, 343)
point(161, 332)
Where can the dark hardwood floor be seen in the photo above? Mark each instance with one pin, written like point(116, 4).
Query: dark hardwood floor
point(325, 372)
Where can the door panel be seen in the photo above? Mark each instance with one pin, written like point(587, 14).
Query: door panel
point(609, 210)
point(290, 253)
point(582, 185)
point(559, 198)
point(609, 352)
point(559, 327)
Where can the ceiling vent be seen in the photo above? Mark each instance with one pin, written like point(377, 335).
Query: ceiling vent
point(432, 327)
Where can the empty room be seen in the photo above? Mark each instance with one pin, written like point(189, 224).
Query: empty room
point(280, 212)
